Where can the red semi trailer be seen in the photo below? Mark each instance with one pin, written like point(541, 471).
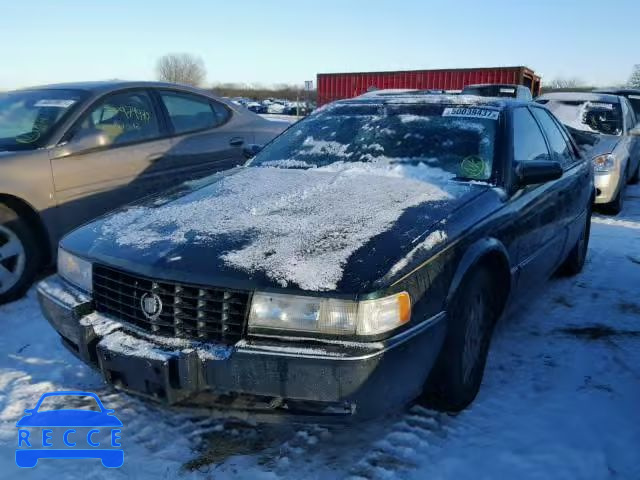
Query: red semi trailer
point(336, 86)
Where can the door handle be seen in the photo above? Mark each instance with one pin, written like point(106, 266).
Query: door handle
point(236, 141)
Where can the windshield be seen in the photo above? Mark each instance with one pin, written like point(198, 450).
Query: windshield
point(593, 117)
point(458, 142)
point(28, 117)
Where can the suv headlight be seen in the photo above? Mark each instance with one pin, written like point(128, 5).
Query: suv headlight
point(75, 270)
point(328, 315)
point(604, 163)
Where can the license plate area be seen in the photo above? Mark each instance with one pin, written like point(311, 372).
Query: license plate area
point(154, 378)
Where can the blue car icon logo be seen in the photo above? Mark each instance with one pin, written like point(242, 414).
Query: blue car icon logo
point(69, 433)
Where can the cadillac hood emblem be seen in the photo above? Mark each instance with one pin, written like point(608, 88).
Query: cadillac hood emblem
point(151, 305)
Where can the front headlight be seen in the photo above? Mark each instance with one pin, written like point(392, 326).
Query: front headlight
point(75, 270)
point(604, 163)
point(328, 315)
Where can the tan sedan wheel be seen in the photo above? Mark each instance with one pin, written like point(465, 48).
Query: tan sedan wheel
point(20, 256)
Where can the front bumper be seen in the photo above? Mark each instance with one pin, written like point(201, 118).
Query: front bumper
point(607, 186)
point(265, 375)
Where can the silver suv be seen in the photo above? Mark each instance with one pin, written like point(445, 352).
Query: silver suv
point(71, 152)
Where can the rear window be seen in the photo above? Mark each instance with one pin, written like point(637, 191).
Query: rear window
point(588, 116)
point(189, 113)
point(454, 141)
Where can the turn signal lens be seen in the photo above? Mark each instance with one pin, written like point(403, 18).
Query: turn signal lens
point(604, 163)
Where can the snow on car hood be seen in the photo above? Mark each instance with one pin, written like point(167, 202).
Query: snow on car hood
point(297, 226)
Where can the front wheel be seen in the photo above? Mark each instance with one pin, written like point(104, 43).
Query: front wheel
point(615, 206)
point(636, 175)
point(19, 255)
point(457, 375)
point(576, 258)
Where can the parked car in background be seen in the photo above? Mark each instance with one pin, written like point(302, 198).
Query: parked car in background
point(256, 107)
point(276, 107)
point(71, 152)
point(499, 90)
point(297, 108)
point(631, 94)
point(358, 262)
point(606, 127)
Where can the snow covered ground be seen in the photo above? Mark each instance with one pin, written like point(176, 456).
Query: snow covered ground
point(560, 399)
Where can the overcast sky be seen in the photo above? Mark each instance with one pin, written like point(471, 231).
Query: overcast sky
point(268, 42)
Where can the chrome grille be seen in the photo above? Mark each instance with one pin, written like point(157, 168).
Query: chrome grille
point(188, 311)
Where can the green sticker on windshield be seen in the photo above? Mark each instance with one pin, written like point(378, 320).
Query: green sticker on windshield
point(473, 167)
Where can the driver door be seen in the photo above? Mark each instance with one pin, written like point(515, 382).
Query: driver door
point(92, 182)
point(539, 228)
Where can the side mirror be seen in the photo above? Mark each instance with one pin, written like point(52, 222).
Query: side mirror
point(251, 150)
point(535, 172)
point(635, 131)
point(86, 141)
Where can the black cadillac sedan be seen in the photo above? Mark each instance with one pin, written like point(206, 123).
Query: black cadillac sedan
point(357, 263)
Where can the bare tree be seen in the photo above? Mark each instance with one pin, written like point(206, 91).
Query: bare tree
point(564, 83)
point(634, 79)
point(181, 68)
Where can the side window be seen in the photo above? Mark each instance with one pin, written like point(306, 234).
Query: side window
point(222, 112)
point(528, 142)
point(189, 113)
point(557, 141)
point(124, 117)
point(573, 149)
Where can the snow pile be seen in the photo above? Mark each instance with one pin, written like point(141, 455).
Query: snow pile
point(324, 147)
point(288, 163)
point(301, 226)
point(120, 342)
point(571, 115)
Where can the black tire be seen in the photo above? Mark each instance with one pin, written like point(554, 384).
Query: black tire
point(574, 262)
point(457, 375)
point(24, 265)
point(615, 207)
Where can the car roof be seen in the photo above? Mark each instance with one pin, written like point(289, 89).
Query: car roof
point(619, 91)
point(101, 86)
point(580, 97)
point(417, 97)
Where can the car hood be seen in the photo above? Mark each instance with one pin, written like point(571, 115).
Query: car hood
point(338, 229)
point(593, 144)
point(69, 418)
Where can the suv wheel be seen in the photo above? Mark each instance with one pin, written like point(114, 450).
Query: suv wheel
point(457, 375)
point(19, 255)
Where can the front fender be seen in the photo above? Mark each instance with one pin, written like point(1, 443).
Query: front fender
point(474, 254)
